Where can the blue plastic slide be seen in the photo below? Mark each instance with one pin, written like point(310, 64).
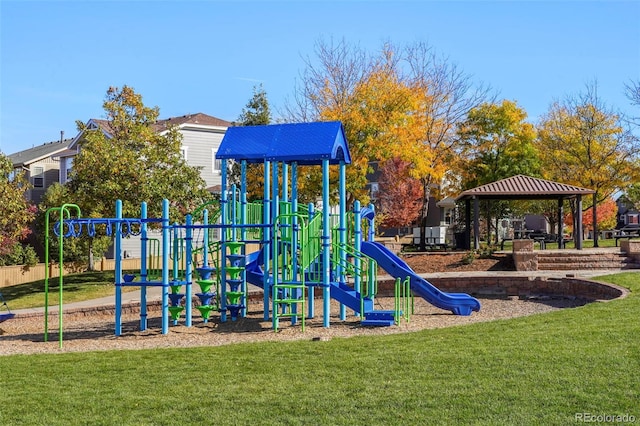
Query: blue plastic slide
point(254, 272)
point(458, 303)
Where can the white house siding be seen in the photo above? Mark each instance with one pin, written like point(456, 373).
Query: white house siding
point(66, 163)
point(201, 145)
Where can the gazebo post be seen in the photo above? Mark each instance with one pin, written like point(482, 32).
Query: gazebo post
point(560, 236)
point(476, 223)
point(467, 224)
point(579, 222)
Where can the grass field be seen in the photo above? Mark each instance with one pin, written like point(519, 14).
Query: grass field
point(544, 369)
point(76, 288)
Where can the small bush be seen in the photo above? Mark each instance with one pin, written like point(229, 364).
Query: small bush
point(20, 255)
point(469, 257)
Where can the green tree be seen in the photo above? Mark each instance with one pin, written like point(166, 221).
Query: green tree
point(79, 249)
point(255, 113)
point(16, 213)
point(131, 160)
point(583, 142)
point(497, 143)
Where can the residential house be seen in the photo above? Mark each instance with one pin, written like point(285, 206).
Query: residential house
point(41, 165)
point(201, 137)
point(627, 214)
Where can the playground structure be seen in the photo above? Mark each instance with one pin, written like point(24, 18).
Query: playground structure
point(289, 250)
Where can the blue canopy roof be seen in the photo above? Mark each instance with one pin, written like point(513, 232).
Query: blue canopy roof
point(304, 143)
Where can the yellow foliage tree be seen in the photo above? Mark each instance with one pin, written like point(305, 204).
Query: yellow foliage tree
point(583, 143)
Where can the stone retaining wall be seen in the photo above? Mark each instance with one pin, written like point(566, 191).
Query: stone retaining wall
point(522, 286)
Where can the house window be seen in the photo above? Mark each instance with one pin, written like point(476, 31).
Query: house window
point(633, 219)
point(38, 177)
point(217, 164)
point(374, 189)
point(183, 152)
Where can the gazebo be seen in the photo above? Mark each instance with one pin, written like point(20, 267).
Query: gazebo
point(521, 187)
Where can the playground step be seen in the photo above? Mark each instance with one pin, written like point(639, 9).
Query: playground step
point(377, 323)
point(380, 314)
point(379, 318)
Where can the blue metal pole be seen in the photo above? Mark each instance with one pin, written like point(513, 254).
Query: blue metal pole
point(326, 246)
point(118, 269)
point(357, 261)
point(223, 238)
point(297, 275)
point(343, 233)
point(267, 233)
point(205, 238)
point(143, 266)
point(243, 231)
point(312, 291)
point(188, 270)
point(165, 266)
point(243, 198)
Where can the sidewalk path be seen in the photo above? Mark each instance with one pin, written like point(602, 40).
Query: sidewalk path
point(154, 294)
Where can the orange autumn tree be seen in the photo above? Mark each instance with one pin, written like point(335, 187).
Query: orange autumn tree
point(607, 215)
point(376, 116)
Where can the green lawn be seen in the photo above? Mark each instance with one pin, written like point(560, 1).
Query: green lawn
point(75, 288)
point(543, 369)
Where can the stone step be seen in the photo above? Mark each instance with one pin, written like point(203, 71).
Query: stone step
point(585, 261)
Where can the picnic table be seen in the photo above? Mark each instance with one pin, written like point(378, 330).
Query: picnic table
point(627, 232)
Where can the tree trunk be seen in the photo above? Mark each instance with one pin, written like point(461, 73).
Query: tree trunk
point(91, 266)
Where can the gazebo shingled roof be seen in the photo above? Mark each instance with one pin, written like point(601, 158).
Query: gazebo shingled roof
point(523, 187)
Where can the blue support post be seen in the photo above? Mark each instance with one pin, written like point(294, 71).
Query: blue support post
point(268, 232)
point(243, 231)
point(357, 261)
point(205, 238)
point(118, 270)
point(143, 266)
point(343, 233)
point(223, 238)
point(188, 270)
point(312, 291)
point(297, 275)
point(326, 246)
point(165, 266)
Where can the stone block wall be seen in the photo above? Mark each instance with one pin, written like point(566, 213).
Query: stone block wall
point(521, 286)
point(524, 257)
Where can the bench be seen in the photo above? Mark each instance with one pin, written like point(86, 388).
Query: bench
point(627, 236)
point(627, 232)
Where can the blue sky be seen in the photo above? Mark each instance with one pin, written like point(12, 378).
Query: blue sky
point(57, 58)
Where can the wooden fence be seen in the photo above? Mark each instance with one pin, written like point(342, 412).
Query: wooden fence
point(13, 275)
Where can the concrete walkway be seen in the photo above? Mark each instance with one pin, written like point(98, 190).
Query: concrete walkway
point(154, 294)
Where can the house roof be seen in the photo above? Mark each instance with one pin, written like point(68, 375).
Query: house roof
point(524, 187)
point(304, 143)
point(199, 119)
point(37, 153)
